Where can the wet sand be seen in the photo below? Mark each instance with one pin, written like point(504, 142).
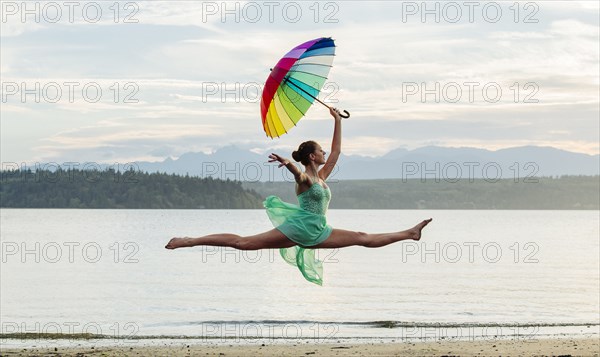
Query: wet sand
point(540, 347)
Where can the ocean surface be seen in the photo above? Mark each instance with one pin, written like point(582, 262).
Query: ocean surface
point(473, 274)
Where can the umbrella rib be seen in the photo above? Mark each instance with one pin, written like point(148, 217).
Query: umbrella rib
point(300, 61)
point(315, 55)
point(293, 103)
point(312, 74)
point(297, 70)
point(306, 61)
point(284, 116)
point(312, 64)
point(306, 84)
point(312, 96)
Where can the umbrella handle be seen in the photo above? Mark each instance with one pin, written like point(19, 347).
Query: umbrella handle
point(345, 116)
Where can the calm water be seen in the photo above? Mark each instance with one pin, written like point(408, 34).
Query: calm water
point(106, 271)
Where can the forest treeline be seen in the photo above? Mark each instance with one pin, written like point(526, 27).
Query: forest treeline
point(117, 189)
point(135, 189)
point(566, 192)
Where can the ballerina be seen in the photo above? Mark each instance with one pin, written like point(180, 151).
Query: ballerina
point(299, 229)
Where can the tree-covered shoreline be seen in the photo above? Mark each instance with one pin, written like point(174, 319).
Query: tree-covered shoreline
point(140, 190)
point(116, 189)
point(566, 192)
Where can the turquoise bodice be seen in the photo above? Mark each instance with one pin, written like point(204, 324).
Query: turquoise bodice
point(315, 199)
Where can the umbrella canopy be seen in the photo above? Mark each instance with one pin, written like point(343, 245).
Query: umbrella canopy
point(294, 83)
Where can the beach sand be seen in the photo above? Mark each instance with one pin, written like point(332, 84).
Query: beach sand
point(540, 347)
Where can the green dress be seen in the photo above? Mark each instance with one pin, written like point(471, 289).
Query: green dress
point(305, 225)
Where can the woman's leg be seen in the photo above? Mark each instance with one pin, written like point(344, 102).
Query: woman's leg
point(340, 238)
point(268, 240)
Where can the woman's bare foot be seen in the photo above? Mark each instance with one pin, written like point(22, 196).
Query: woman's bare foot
point(177, 243)
point(416, 230)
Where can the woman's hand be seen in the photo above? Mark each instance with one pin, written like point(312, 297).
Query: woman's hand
point(282, 160)
point(335, 113)
point(285, 162)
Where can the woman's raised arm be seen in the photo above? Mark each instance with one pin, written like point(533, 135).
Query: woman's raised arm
point(336, 145)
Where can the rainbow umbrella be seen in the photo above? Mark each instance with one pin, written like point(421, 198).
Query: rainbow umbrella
point(294, 84)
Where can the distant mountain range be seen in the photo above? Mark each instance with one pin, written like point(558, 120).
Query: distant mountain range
point(426, 163)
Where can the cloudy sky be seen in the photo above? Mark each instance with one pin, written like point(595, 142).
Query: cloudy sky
point(117, 82)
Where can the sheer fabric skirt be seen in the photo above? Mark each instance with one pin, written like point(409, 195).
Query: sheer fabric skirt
point(304, 228)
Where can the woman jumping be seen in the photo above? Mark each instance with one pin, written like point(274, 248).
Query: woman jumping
point(301, 229)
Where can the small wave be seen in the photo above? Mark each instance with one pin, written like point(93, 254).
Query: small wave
point(382, 323)
point(322, 326)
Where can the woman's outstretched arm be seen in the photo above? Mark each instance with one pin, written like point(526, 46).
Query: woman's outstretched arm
point(299, 176)
point(336, 145)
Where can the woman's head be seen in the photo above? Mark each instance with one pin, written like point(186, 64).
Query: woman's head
point(309, 151)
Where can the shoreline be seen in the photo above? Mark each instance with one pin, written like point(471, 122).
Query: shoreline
point(583, 346)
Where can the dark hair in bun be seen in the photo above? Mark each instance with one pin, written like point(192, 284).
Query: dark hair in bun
point(305, 149)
